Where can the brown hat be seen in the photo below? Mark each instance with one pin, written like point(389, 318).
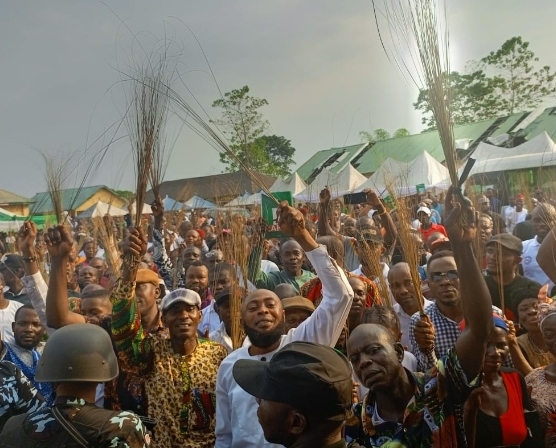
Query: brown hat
point(508, 241)
point(147, 276)
point(299, 303)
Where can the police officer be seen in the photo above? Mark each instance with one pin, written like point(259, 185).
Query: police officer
point(75, 359)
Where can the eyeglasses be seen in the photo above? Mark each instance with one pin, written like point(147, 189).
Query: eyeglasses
point(439, 276)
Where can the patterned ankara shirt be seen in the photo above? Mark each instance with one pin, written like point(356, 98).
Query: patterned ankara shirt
point(180, 389)
point(17, 395)
point(433, 417)
point(100, 427)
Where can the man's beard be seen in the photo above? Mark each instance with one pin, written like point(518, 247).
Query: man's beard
point(264, 339)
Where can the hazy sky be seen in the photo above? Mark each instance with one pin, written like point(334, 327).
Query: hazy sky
point(319, 64)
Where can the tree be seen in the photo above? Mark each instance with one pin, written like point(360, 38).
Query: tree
point(402, 132)
point(521, 87)
point(279, 155)
point(243, 124)
point(382, 134)
point(125, 194)
point(502, 83)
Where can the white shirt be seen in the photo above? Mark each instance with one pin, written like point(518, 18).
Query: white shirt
point(221, 336)
point(236, 411)
point(37, 289)
point(209, 321)
point(513, 217)
point(269, 266)
point(7, 317)
point(405, 320)
point(531, 268)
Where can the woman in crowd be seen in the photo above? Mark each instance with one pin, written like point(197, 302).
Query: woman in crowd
point(495, 412)
point(543, 379)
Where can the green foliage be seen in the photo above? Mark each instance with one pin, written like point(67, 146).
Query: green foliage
point(242, 123)
point(278, 153)
point(245, 126)
point(125, 194)
point(382, 134)
point(502, 83)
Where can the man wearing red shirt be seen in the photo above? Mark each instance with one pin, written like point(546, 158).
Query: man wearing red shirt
point(427, 227)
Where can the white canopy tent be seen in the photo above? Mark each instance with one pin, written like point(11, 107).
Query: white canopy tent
point(146, 209)
point(292, 183)
point(101, 209)
point(245, 200)
point(403, 177)
point(536, 153)
point(340, 183)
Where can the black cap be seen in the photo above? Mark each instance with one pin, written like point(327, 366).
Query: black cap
point(11, 262)
point(314, 379)
point(227, 293)
point(508, 241)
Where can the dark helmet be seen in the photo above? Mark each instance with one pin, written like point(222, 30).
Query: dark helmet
point(78, 352)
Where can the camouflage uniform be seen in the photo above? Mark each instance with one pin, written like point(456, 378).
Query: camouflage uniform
point(17, 395)
point(100, 427)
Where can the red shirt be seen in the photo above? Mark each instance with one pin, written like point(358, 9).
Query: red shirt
point(432, 229)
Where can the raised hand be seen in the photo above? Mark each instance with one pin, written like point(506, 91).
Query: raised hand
point(324, 196)
point(26, 238)
point(136, 243)
point(59, 242)
point(373, 199)
point(461, 219)
point(157, 208)
point(291, 220)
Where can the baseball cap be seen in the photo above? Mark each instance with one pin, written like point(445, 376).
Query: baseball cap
point(12, 261)
point(440, 244)
point(508, 241)
point(370, 233)
point(180, 295)
point(314, 379)
point(298, 302)
point(147, 276)
point(425, 210)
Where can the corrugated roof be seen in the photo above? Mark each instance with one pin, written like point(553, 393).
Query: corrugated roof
point(546, 122)
point(7, 197)
point(407, 148)
point(72, 198)
point(213, 188)
point(367, 160)
point(335, 159)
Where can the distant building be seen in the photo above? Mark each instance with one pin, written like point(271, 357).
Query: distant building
point(14, 203)
point(77, 200)
point(508, 131)
point(218, 188)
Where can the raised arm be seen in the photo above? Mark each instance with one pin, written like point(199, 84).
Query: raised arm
point(385, 218)
point(326, 323)
point(127, 332)
point(323, 224)
point(59, 244)
point(160, 256)
point(476, 303)
point(34, 283)
point(546, 256)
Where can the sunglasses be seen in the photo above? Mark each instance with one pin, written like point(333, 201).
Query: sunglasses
point(439, 276)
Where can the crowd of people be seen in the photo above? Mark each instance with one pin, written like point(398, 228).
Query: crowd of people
point(189, 331)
